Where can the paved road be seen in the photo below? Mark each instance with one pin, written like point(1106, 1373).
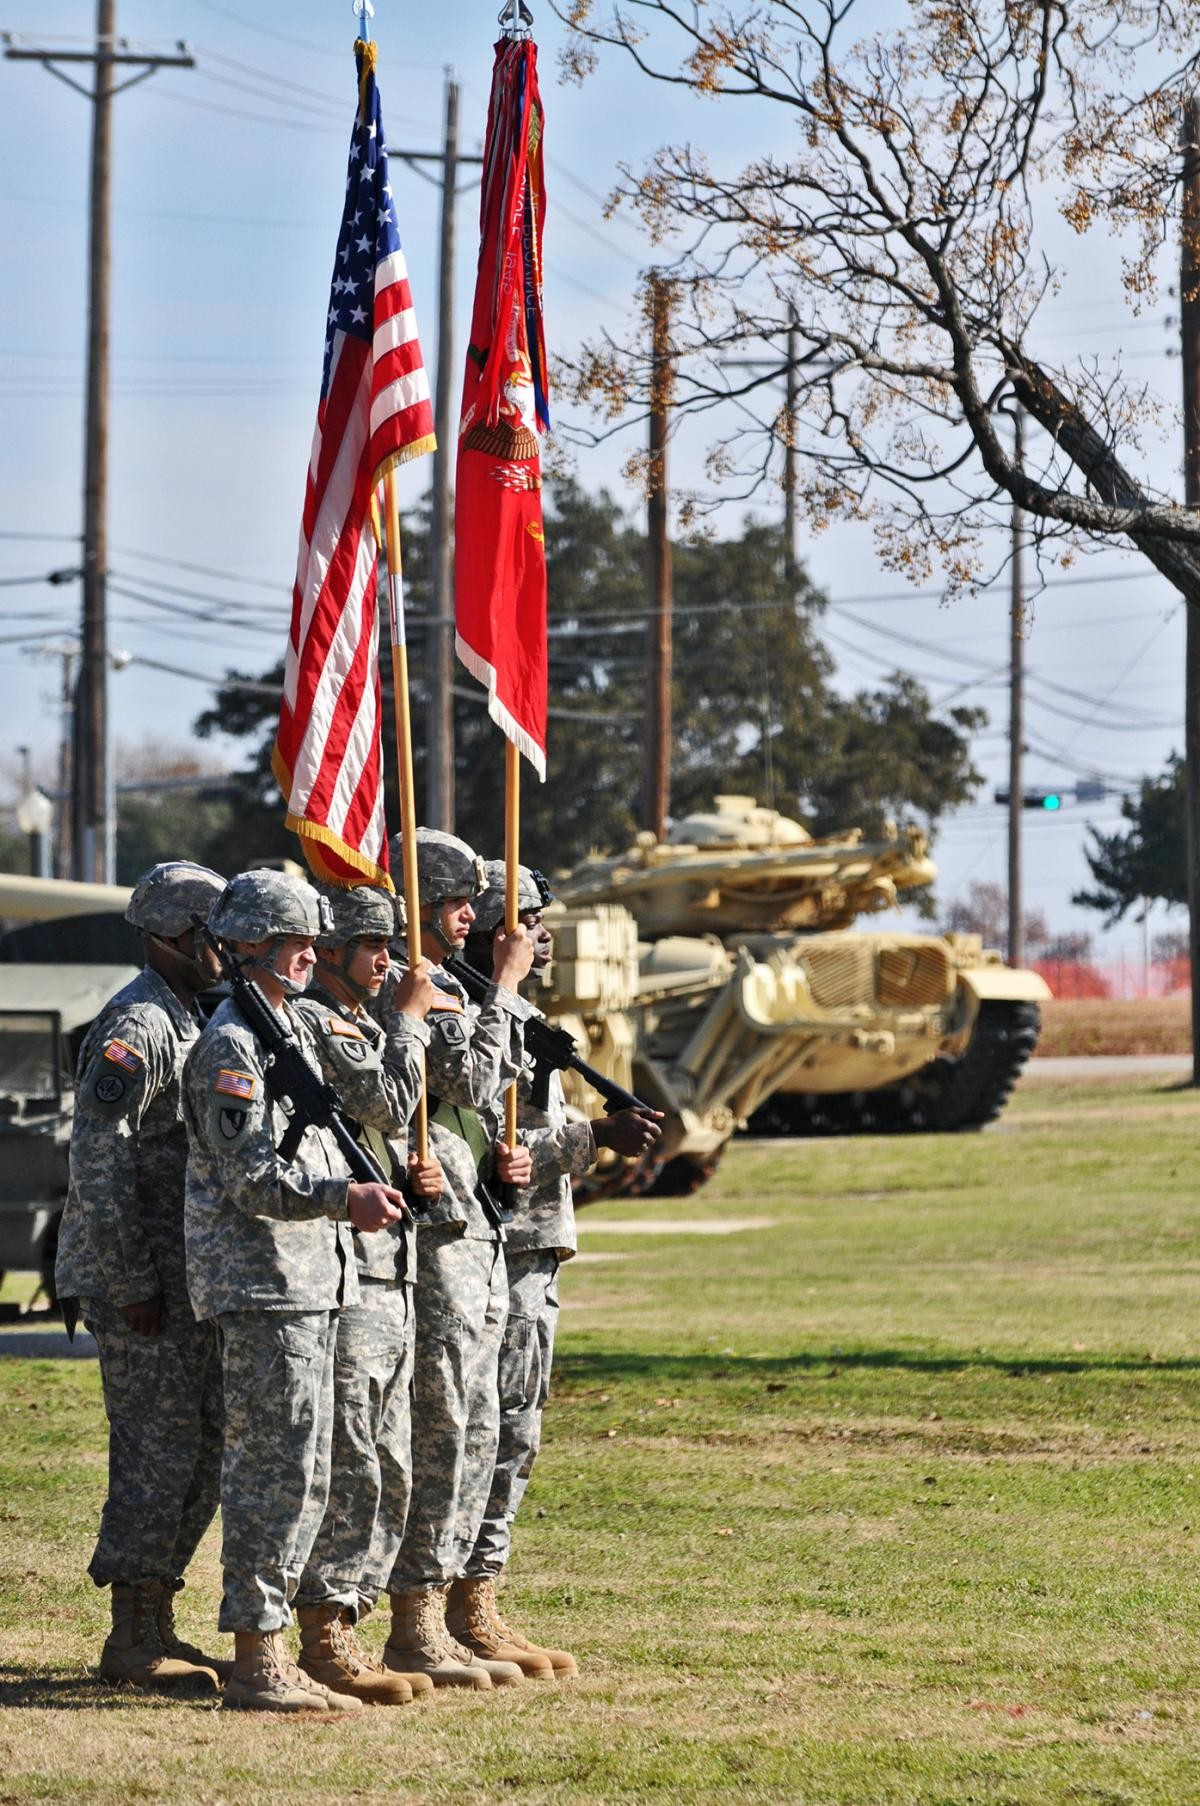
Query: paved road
point(45, 1342)
point(1104, 1066)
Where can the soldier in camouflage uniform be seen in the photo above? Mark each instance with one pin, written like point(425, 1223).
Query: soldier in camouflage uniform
point(271, 1261)
point(120, 1255)
point(541, 1236)
point(371, 1463)
point(462, 1291)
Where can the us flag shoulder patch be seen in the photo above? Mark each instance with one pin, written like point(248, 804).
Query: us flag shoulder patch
point(122, 1055)
point(443, 1000)
point(235, 1084)
point(338, 1027)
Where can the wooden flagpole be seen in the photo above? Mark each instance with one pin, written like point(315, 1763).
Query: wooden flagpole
point(512, 843)
point(404, 768)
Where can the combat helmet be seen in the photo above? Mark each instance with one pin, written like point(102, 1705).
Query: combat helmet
point(265, 905)
point(364, 913)
point(167, 897)
point(446, 866)
point(533, 893)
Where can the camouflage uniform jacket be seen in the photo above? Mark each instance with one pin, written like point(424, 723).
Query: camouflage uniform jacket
point(262, 1234)
point(562, 1150)
point(474, 1053)
point(121, 1238)
point(350, 1044)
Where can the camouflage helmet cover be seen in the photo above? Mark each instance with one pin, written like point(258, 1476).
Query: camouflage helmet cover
point(446, 866)
point(364, 913)
point(164, 899)
point(262, 905)
point(533, 893)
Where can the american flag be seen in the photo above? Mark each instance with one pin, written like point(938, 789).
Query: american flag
point(374, 412)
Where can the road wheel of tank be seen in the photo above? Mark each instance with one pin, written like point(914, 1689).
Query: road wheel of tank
point(680, 1177)
point(620, 1179)
point(811, 1113)
point(971, 1091)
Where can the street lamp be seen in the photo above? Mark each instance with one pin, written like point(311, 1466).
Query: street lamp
point(35, 817)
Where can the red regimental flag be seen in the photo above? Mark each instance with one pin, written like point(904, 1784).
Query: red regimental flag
point(374, 412)
point(499, 546)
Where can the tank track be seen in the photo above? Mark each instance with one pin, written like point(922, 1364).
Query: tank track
point(948, 1096)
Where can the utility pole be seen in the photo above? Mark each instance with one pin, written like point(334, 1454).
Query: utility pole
point(1016, 720)
point(657, 799)
point(1189, 321)
point(91, 856)
point(439, 646)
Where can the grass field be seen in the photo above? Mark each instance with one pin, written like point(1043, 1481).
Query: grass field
point(1107, 1025)
point(892, 1499)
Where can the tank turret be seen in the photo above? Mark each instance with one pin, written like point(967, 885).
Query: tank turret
point(741, 868)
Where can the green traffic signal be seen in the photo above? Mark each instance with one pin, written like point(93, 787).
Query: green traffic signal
point(1051, 800)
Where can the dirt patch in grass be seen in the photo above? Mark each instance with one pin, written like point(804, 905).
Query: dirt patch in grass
point(1143, 1025)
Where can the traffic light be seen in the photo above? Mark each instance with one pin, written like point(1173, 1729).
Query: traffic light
point(1048, 800)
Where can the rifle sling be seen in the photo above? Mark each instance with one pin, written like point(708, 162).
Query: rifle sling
point(463, 1123)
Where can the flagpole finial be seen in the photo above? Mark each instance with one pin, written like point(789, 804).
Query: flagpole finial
point(364, 12)
point(515, 19)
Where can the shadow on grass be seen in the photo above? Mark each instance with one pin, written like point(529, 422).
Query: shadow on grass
point(580, 1368)
point(87, 1692)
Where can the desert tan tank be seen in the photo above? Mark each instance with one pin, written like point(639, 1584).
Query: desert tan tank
point(754, 1004)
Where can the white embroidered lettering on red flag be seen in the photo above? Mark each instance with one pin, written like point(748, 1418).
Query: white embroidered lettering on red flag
point(499, 545)
point(374, 412)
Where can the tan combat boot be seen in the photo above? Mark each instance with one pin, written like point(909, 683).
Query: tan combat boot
point(419, 1643)
point(474, 1618)
point(177, 1647)
point(265, 1679)
point(330, 1653)
point(133, 1650)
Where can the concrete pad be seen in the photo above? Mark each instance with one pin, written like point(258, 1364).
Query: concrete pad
point(586, 1225)
point(49, 1344)
point(1107, 1066)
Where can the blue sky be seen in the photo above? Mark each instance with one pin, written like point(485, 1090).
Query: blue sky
point(227, 194)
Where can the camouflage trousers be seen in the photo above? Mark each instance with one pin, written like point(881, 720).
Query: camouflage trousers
point(525, 1358)
point(371, 1462)
point(275, 1474)
point(162, 1398)
point(462, 1299)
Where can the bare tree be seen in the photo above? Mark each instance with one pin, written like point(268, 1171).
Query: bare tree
point(899, 236)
